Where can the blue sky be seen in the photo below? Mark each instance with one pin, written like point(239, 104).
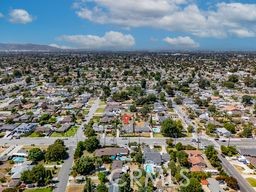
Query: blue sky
point(131, 24)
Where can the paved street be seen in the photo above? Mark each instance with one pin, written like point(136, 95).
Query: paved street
point(67, 166)
point(65, 171)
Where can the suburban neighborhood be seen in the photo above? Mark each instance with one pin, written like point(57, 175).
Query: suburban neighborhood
point(122, 122)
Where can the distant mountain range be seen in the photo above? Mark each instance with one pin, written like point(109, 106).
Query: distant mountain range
point(27, 47)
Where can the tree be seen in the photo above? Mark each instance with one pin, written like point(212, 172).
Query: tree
point(38, 175)
point(143, 84)
point(133, 108)
point(89, 132)
point(173, 167)
point(171, 128)
point(233, 78)
point(102, 177)
point(162, 97)
point(125, 183)
point(35, 155)
point(79, 149)
point(247, 99)
point(178, 100)
point(169, 103)
point(230, 127)
point(84, 165)
point(229, 84)
point(169, 90)
point(182, 158)
point(232, 183)
point(212, 108)
point(229, 151)
point(179, 146)
point(28, 79)
point(203, 83)
point(144, 110)
point(56, 151)
point(138, 157)
point(88, 185)
point(194, 185)
point(190, 128)
point(101, 188)
point(91, 144)
point(247, 132)
point(169, 142)
point(17, 73)
point(210, 128)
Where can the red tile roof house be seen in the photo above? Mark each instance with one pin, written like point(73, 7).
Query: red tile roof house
point(196, 159)
point(126, 118)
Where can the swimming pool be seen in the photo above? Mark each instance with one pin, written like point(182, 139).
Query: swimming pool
point(149, 168)
point(156, 130)
point(18, 159)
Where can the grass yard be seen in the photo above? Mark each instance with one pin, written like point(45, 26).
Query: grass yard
point(100, 110)
point(158, 135)
point(39, 190)
point(35, 134)
point(252, 181)
point(85, 111)
point(70, 133)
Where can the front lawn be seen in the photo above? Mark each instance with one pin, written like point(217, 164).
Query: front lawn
point(100, 110)
point(159, 135)
point(252, 181)
point(35, 134)
point(39, 190)
point(70, 133)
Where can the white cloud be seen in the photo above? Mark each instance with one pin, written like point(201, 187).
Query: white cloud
point(1, 15)
point(181, 42)
point(221, 20)
point(20, 16)
point(111, 39)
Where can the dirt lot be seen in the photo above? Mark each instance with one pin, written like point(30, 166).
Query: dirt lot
point(75, 188)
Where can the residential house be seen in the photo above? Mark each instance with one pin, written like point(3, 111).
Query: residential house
point(223, 132)
point(111, 151)
point(214, 185)
point(24, 128)
point(195, 157)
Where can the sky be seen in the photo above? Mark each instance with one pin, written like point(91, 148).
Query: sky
point(131, 24)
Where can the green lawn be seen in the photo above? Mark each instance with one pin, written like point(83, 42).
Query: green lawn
point(70, 133)
point(252, 181)
point(35, 134)
point(39, 190)
point(85, 111)
point(100, 110)
point(159, 135)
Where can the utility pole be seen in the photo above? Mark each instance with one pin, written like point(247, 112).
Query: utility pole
point(229, 140)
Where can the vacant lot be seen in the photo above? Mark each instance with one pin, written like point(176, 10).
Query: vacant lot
point(75, 188)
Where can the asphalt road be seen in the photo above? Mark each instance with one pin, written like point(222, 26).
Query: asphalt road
point(65, 171)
